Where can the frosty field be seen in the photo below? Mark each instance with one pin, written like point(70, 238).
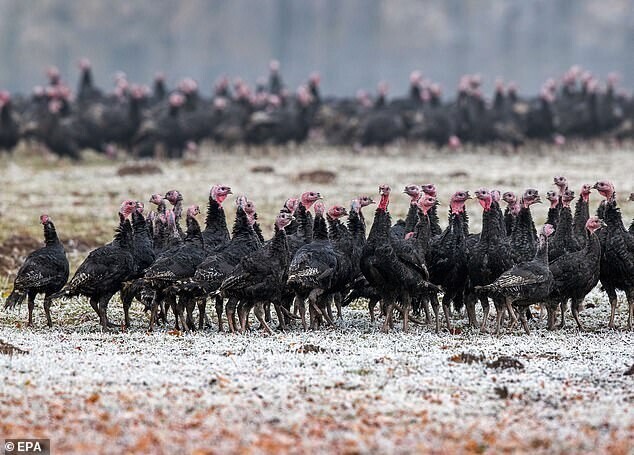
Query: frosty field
point(350, 389)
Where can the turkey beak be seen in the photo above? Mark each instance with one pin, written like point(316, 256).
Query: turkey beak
point(596, 186)
point(372, 201)
point(603, 224)
point(319, 196)
point(538, 200)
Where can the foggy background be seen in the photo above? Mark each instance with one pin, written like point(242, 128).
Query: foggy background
point(353, 43)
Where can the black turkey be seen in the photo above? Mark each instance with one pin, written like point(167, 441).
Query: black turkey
point(44, 271)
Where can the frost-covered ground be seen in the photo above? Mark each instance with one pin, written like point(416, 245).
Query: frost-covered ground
point(350, 389)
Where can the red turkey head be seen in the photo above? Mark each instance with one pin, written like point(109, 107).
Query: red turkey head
point(632, 197)
point(496, 195)
point(220, 103)
point(283, 219)
point(193, 211)
point(303, 96)
point(586, 189)
point(605, 188)
point(561, 182)
point(173, 196)
point(291, 204)
point(426, 202)
point(84, 64)
point(413, 191)
point(548, 230)
point(219, 193)
point(156, 199)
point(553, 198)
point(454, 142)
point(430, 189)
point(530, 197)
point(308, 198)
point(320, 208)
point(127, 207)
point(384, 191)
point(509, 197)
point(567, 198)
point(355, 206)
point(484, 198)
point(409, 235)
point(274, 66)
point(44, 219)
point(337, 211)
point(458, 200)
point(415, 77)
point(382, 88)
point(139, 207)
point(52, 73)
point(249, 207)
point(314, 79)
point(176, 100)
point(594, 223)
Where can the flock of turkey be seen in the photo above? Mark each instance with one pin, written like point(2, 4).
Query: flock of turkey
point(313, 261)
point(162, 122)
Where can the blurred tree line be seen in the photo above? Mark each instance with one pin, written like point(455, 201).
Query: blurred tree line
point(353, 43)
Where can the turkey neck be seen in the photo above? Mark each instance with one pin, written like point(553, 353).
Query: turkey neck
point(582, 213)
point(241, 226)
point(613, 217)
point(525, 222)
point(336, 230)
point(490, 226)
point(279, 244)
point(50, 234)
point(193, 231)
point(412, 217)
point(320, 230)
point(123, 236)
point(140, 227)
point(305, 223)
point(564, 227)
point(434, 220)
point(215, 220)
point(356, 226)
point(422, 231)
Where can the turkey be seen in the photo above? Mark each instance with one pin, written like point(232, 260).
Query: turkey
point(259, 277)
point(525, 283)
point(575, 275)
point(9, 126)
point(180, 263)
point(447, 258)
point(144, 256)
point(44, 271)
point(487, 259)
point(103, 272)
point(564, 241)
point(216, 232)
point(617, 259)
